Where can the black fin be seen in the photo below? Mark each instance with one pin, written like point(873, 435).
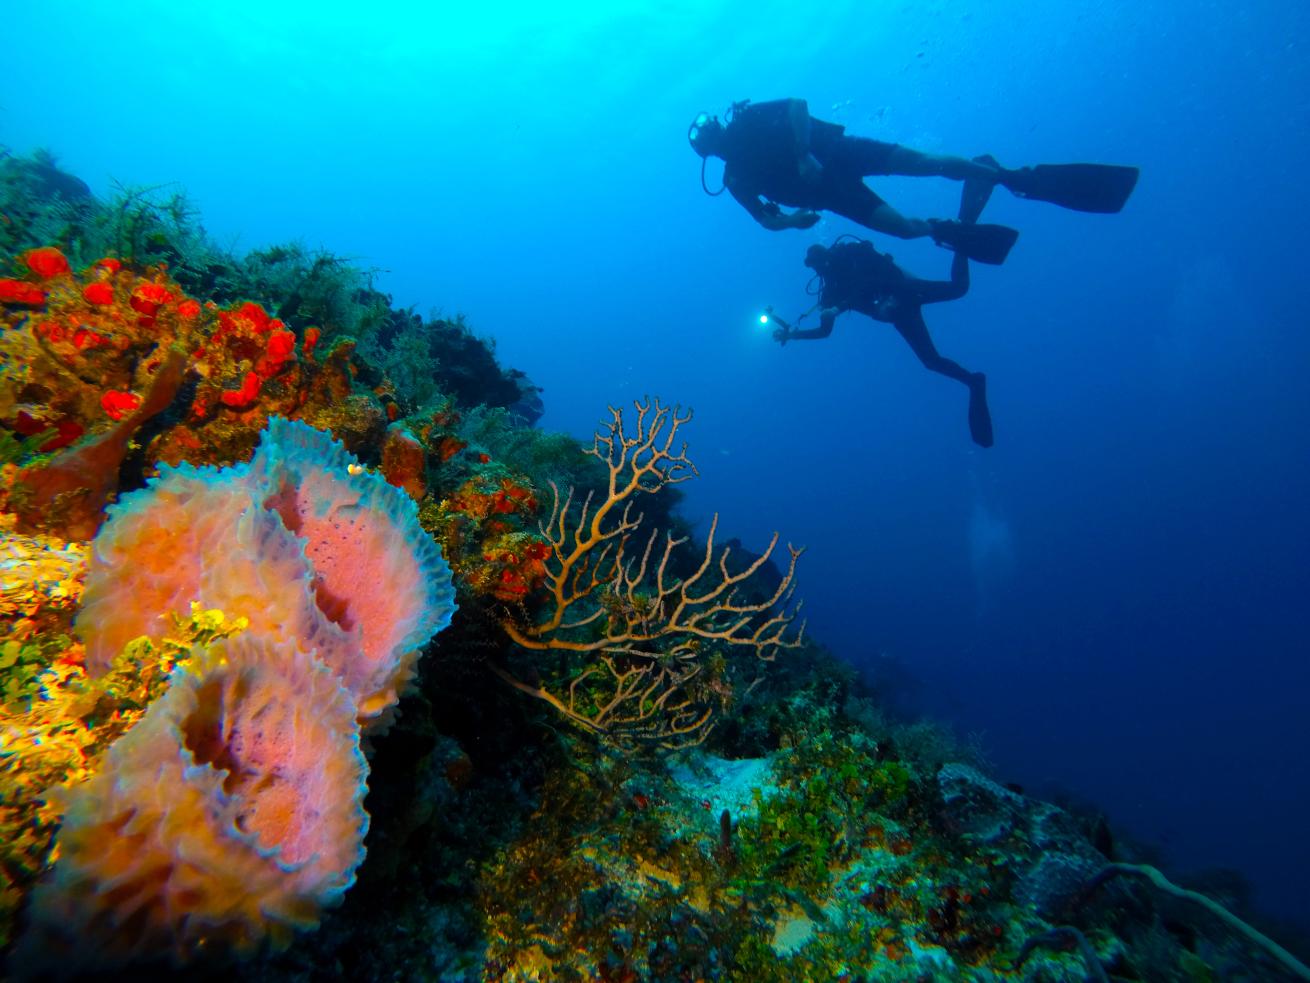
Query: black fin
point(982, 243)
point(978, 191)
point(1102, 188)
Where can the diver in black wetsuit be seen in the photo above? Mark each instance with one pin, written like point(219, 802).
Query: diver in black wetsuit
point(856, 277)
point(776, 154)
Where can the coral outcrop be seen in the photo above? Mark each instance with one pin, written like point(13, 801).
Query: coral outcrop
point(95, 361)
point(209, 781)
point(301, 541)
point(232, 813)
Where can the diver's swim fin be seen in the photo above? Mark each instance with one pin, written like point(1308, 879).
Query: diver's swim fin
point(980, 418)
point(983, 243)
point(1083, 187)
point(978, 191)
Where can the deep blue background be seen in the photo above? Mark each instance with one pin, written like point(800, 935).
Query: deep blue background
point(1116, 594)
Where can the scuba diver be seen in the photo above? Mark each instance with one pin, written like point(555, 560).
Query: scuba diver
point(853, 276)
point(776, 154)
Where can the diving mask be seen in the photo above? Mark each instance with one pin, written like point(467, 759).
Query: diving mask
point(697, 130)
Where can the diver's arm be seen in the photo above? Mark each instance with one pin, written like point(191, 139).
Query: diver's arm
point(770, 215)
point(826, 318)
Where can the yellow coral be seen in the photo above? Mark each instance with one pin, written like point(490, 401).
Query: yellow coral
point(231, 813)
point(38, 572)
point(56, 724)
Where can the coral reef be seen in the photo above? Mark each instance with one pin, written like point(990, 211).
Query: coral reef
point(404, 461)
point(55, 722)
point(309, 551)
point(234, 804)
point(153, 228)
point(231, 812)
point(108, 350)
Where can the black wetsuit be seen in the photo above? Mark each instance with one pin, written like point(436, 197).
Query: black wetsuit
point(856, 277)
point(859, 278)
point(760, 161)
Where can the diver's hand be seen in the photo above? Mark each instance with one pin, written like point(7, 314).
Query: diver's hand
point(771, 217)
point(780, 335)
point(802, 220)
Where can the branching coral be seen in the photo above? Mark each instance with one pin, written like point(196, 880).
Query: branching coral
point(651, 642)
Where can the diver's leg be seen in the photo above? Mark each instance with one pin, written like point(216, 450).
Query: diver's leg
point(936, 291)
point(910, 325)
point(959, 278)
point(884, 218)
point(915, 163)
point(860, 155)
point(853, 199)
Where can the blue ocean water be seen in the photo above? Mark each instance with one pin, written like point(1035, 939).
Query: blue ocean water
point(1115, 594)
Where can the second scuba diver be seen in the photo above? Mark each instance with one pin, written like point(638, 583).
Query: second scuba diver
point(856, 277)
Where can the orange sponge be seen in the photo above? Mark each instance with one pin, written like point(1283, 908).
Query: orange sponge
point(150, 558)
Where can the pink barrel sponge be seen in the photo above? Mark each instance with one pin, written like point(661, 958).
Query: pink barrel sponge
point(302, 541)
point(230, 814)
point(377, 575)
point(192, 535)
